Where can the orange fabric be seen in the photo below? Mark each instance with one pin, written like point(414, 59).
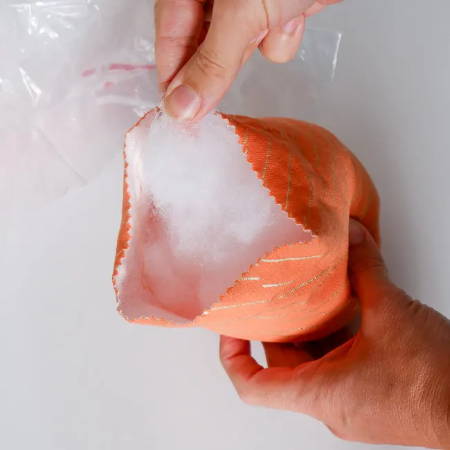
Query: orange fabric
point(320, 184)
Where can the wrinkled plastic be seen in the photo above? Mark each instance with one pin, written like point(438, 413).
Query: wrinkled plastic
point(291, 89)
point(66, 99)
point(76, 74)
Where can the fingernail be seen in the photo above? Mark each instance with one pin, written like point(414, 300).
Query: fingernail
point(292, 26)
point(183, 103)
point(356, 233)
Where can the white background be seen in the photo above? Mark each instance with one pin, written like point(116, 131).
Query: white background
point(74, 375)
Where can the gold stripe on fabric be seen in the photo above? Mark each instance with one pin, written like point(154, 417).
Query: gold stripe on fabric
point(237, 305)
point(303, 284)
point(316, 163)
point(244, 142)
point(296, 306)
point(289, 331)
point(261, 302)
point(266, 159)
point(286, 307)
point(305, 165)
point(272, 285)
point(289, 186)
point(298, 258)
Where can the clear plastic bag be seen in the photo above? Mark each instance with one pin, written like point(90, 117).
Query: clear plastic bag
point(77, 73)
point(66, 100)
point(291, 89)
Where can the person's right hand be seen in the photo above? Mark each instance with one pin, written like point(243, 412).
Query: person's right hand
point(389, 384)
point(201, 45)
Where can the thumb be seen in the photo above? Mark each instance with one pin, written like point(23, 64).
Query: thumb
point(367, 270)
point(200, 84)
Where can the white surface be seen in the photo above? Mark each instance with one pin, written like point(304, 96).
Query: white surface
point(74, 375)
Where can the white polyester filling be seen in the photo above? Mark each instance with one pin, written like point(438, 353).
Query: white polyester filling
point(216, 216)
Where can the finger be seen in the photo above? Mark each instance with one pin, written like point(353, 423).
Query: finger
point(178, 27)
point(237, 360)
point(253, 383)
point(319, 6)
point(279, 12)
point(291, 388)
point(314, 9)
point(281, 43)
point(285, 355)
point(201, 83)
point(368, 273)
point(329, 2)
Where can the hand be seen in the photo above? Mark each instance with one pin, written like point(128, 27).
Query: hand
point(388, 384)
point(202, 44)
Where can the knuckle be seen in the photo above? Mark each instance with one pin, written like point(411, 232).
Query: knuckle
point(341, 430)
point(188, 42)
point(387, 301)
point(389, 295)
point(414, 307)
point(398, 303)
point(342, 422)
point(208, 62)
point(415, 312)
point(244, 398)
point(336, 432)
point(247, 397)
point(396, 307)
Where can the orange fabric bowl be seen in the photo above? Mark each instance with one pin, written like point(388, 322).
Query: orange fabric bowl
point(319, 184)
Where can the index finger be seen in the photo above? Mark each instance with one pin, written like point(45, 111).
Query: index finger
point(201, 83)
point(255, 384)
point(178, 26)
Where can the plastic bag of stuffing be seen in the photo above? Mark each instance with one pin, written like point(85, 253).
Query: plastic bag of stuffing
point(239, 225)
point(76, 74)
